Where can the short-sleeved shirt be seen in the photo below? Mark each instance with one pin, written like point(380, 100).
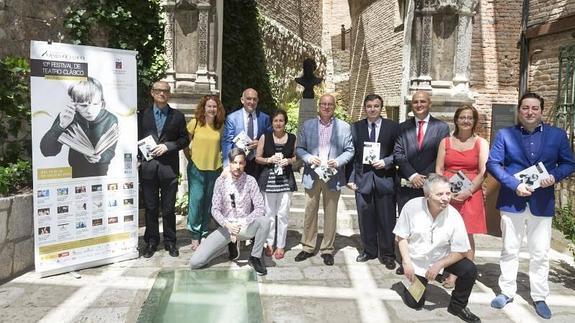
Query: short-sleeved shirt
point(430, 239)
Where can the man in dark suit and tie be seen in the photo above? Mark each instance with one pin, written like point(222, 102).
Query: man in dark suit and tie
point(254, 123)
point(373, 181)
point(159, 175)
point(416, 149)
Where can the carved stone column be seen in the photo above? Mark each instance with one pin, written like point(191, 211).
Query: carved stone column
point(202, 78)
point(423, 30)
point(169, 7)
point(463, 49)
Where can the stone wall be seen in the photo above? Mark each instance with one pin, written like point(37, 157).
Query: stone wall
point(543, 11)
point(25, 20)
point(285, 52)
point(376, 53)
point(16, 236)
point(301, 17)
point(495, 57)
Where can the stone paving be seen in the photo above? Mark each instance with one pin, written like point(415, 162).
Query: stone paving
point(291, 292)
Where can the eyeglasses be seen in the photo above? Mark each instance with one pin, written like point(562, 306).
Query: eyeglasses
point(165, 91)
point(325, 104)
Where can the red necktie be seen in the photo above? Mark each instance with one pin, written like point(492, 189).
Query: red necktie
point(420, 134)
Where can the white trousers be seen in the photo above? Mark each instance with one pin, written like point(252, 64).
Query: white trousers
point(277, 204)
point(538, 229)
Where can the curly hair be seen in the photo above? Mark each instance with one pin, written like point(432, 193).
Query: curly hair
point(201, 111)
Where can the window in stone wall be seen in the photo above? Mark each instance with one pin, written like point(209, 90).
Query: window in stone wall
point(565, 103)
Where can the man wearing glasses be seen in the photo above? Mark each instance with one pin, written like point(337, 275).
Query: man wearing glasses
point(325, 145)
point(85, 117)
point(159, 175)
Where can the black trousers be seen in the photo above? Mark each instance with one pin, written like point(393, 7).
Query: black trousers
point(160, 193)
point(253, 168)
point(466, 273)
point(377, 219)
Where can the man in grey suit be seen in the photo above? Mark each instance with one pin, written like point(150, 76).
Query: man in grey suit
point(324, 143)
point(416, 149)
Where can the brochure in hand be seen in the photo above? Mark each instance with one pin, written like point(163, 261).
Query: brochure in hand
point(370, 152)
point(416, 289)
point(146, 146)
point(459, 182)
point(242, 141)
point(533, 175)
point(324, 172)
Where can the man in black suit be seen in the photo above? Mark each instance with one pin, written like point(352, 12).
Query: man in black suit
point(416, 149)
point(159, 175)
point(373, 180)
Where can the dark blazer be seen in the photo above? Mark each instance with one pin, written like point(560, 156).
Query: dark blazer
point(174, 136)
point(365, 176)
point(507, 157)
point(408, 157)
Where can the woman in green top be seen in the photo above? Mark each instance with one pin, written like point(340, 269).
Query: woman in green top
point(204, 164)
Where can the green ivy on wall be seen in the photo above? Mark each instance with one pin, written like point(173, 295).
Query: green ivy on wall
point(125, 24)
point(243, 57)
point(14, 110)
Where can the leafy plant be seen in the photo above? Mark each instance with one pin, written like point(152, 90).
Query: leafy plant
point(125, 24)
point(182, 205)
point(564, 221)
point(14, 109)
point(14, 177)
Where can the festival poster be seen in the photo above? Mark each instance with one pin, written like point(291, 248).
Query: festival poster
point(84, 147)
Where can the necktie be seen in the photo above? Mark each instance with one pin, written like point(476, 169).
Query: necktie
point(250, 126)
point(372, 132)
point(420, 134)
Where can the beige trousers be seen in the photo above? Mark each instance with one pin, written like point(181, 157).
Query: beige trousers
point(330, 199)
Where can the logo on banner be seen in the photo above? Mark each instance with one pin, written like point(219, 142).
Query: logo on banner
point(119, 64)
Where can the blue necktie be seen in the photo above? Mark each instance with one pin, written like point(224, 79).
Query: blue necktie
point(251, 126)
point(372, 132)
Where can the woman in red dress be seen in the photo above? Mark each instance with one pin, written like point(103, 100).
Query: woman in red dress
point(465, 151)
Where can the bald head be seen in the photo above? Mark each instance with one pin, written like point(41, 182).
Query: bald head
point(421, 104)
point(249, 100)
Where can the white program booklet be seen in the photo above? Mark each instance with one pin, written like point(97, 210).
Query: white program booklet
point(242, 141)
point(146, 146)
point(371, 152)
point(459, 182)
point(533, 175)
point(324, 172)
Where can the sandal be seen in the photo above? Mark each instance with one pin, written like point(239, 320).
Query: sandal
point(195, 244)
point(279, 254)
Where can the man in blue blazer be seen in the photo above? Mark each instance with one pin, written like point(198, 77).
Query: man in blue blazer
point(523, 209)
point(254, 123)
point(326, 143)
point(374, 182)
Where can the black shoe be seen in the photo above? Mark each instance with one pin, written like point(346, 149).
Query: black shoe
point(464, 314)
point(171, 247)
point(327, 259)
point(364, 257)
point(233, 250)
point(389, 263)
point(149, 250)
point(258, 265)
point(303, 255)
point(399, 270)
